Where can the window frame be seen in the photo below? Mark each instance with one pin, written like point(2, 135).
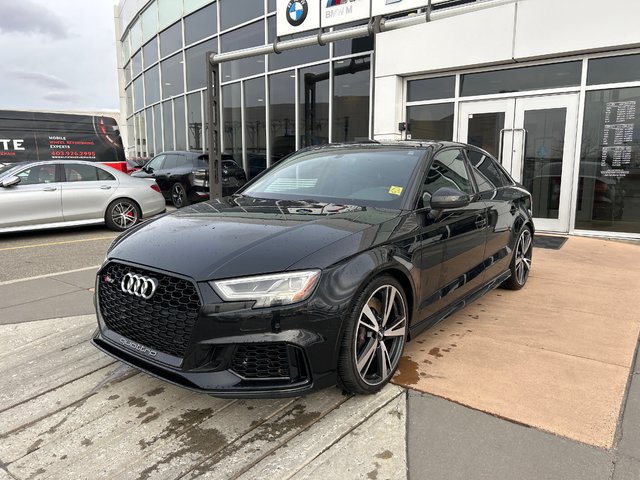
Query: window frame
point(418, 206)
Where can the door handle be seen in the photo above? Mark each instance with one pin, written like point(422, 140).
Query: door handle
point(105, 187)
point(49, 189)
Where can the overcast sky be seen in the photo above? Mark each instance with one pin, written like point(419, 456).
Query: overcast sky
point(58, 55)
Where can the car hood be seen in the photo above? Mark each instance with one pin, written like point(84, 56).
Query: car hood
point(239, 236)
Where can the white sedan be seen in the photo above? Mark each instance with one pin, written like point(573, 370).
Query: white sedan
point(35, 195)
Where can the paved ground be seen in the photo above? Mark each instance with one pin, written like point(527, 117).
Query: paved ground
point(555, 355)
point(68, 411)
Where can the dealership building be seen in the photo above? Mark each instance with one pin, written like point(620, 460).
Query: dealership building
point(550, 87)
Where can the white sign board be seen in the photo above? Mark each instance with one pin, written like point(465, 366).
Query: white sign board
point(386, 7)
point(294, 16)
point(336, 12)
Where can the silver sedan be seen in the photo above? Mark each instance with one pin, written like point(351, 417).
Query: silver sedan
point(35, 195)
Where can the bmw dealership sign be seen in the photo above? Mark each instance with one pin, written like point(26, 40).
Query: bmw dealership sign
point(296, 16)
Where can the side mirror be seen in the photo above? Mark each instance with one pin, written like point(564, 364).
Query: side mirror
point(10, 181)
point(446, 197)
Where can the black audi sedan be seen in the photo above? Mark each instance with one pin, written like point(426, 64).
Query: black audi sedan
point(183, 177)
point(317, 272)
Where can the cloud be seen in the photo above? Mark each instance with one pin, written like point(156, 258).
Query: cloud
point(27, 17)
point(61, 97)
point(44, 80)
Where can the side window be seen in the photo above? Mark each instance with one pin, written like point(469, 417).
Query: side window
point(448, 170)
point(185, 161)
point(487, 174)
point(171, 162)
point(37, 174)
point(80, 173)
point(105, 176)
point(157, 162)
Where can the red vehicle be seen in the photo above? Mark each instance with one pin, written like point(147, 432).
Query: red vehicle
point(29, 136)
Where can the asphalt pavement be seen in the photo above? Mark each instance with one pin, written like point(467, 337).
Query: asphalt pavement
point(69, 411)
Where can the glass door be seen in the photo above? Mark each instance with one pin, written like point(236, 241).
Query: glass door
point(534, 139)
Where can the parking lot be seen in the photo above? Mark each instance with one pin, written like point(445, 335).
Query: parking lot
point(557, 356)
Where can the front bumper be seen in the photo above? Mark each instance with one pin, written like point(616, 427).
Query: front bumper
point(231, 350)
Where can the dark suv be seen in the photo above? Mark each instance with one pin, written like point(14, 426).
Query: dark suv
point(183, 177)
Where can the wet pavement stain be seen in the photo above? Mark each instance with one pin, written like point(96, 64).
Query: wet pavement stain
point(154, 392)
point(148, 411)
point(35, 446)
point(407, 373)
point(137, 402)
point(195, 440)
point(177, 426)
point(373, 474)
point(295, 418)
point(435, 352)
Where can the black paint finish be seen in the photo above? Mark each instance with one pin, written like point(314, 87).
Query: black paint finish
point(443, 259)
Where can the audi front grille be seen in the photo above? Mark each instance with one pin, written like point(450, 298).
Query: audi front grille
point(163, 322)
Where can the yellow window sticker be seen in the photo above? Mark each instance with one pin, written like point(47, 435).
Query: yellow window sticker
point(395, 190)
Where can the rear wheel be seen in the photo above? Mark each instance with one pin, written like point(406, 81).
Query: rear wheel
point(521, 261)
point(374, 337)
point(122, 214)
point(179, 196)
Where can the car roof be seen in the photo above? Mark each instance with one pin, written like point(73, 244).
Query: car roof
point(180, 152)
point(375, 144)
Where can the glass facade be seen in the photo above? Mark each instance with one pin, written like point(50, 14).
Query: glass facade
point(609, 179)
point(603, 177)
point(271, 104)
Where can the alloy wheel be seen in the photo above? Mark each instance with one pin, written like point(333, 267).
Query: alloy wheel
point(124, 215)
point(524, 250)
point(178, 195)
point(380, 335)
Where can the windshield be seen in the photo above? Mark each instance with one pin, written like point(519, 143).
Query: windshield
point(368, 177)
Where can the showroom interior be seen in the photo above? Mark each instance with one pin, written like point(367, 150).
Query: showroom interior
point(549, 88)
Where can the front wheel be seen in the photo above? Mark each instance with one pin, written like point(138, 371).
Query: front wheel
point(179, 196)
point(521, 261)
point(374, 338)
point(122, 214)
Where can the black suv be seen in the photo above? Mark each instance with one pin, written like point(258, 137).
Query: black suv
point(183, 177)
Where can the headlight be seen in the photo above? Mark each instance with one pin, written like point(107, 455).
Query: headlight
point(269, 290)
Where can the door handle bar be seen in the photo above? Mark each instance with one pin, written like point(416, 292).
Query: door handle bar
point(501, 141)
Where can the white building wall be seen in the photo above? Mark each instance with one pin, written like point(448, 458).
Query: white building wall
point(522, 31)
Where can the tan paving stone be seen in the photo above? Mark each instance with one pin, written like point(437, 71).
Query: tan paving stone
point(555, 355)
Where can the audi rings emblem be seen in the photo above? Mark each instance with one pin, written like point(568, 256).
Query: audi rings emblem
point(139, 286)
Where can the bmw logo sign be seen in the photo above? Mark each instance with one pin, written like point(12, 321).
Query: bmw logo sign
point(297, 12)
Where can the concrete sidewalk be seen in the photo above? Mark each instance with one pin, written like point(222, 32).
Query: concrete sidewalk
point(69, 411)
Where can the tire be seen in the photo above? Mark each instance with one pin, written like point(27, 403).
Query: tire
point(373, 341)
point(521, 261)
point(179, 196)
point(122, 214)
